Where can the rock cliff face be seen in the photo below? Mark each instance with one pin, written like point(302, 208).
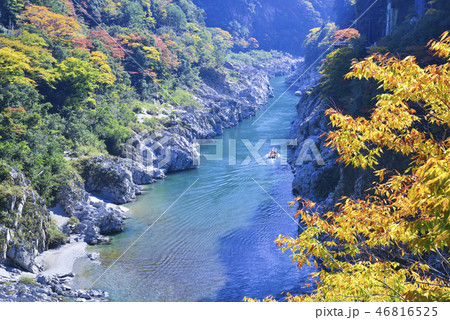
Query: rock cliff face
point(24, 221)
point(26, 228)
point(19, 286)
point(96, 217)
point(283, 65)
point(303, 77)
point(322, 183)
point(110, 179)
point(326, 183)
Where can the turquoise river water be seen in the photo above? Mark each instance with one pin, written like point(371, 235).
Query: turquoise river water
point(216, 243)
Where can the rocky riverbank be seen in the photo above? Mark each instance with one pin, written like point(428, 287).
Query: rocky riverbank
point(303, 78)
point(324, 183)
point(54, 281)
point(88, 200)
point(19, 286)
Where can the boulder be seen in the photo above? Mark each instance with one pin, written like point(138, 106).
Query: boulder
point(110, 179)
point(96, 216)
point(46, 289)
point(23, 257)
point(43, 279)
point(93, 255)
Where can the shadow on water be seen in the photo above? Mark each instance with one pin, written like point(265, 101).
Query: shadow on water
point(254, 265)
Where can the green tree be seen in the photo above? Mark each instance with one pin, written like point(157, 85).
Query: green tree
point(175, 17)
point(10, 10)
point(78, 79)
point(333, 83)
point(39, 59)
point(14, 66)
point(318, 42)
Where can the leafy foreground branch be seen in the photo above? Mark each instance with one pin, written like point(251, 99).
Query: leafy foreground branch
point(392, 245)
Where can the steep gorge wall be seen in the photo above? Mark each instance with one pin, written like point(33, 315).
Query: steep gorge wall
point(24, 221)
point(324, 183)
point(328, 182)
point(276, 24)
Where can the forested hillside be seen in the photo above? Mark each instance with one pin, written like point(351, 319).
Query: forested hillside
point(74, 73)
point(375, 32)
point(276, 24)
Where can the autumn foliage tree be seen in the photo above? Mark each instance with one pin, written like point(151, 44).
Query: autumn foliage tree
point(392, 245)
point(109, 43)
point(223, 39)
point(10, 122)
point(14, 65)
point(57, 26)
point(25, 59)
point(346, 35)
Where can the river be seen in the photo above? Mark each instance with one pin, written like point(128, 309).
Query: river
point(216, 243)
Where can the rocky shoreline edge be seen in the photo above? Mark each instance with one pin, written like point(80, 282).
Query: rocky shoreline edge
point(327, 182)
point(88, 202)
point(54, 283)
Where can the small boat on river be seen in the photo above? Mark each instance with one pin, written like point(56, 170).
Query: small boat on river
point(273, 154)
